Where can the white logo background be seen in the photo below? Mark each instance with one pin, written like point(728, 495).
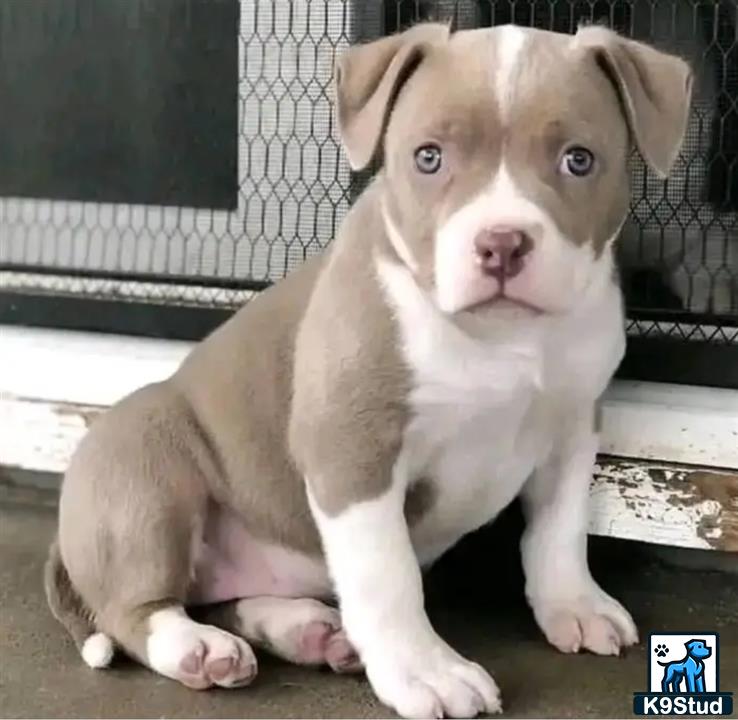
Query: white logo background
point(676, 650)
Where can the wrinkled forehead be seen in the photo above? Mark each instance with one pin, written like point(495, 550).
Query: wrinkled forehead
point(519, 78)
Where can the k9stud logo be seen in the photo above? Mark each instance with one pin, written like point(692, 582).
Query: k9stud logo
point(683, 676)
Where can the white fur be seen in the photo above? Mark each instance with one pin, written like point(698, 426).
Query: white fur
point(510, 43)
point(397, 241)
point(275, 616)
point(173, 636)
point(280, 621)
point(489, 395)
point(571, 609)
point(98, 650)
point(378, 581)
point(493, 400)
point(556, 270)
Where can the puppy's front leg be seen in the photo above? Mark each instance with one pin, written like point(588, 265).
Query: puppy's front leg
point(378, 581)
point(570, 607)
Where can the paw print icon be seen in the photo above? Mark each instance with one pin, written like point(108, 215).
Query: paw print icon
point(661, 650)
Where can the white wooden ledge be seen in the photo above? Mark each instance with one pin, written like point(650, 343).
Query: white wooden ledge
point(668, 472)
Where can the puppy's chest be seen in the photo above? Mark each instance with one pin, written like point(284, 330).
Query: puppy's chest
point(481, 423)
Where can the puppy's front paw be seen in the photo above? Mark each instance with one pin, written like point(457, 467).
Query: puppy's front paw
point(435, 683)
point(592, 621)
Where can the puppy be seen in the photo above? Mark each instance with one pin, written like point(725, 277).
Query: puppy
point(349, 425)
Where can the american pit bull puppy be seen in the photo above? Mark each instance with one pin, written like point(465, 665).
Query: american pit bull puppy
point(349, 425)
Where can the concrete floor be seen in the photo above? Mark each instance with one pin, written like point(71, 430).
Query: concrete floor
point(474, 596)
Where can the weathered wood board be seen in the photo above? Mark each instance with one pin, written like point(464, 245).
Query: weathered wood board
point(645, 500)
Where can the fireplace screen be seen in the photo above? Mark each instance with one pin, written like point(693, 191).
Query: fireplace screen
point(209, 166)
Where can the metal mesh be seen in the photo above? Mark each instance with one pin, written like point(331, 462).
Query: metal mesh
point(679, 249)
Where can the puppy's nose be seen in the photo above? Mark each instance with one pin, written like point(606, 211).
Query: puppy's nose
point(500, 251)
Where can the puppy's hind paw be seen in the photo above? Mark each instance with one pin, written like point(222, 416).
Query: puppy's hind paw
point(198, 656)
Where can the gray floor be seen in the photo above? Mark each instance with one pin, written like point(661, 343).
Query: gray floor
point(474, 596)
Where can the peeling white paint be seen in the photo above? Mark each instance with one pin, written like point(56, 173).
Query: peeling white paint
point(628, 503)
point(40, 435)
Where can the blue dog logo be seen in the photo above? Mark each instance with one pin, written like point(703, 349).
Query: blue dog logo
point(687, 675)
point(683, 676)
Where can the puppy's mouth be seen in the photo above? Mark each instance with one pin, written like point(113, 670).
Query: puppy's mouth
point(502, 301)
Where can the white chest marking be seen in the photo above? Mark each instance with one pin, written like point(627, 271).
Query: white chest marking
point(484, 402)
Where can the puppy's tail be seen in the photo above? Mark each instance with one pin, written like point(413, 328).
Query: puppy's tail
point(97, 649)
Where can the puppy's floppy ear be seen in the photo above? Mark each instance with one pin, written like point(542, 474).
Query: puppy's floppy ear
point(368, 78)
point(655, 89)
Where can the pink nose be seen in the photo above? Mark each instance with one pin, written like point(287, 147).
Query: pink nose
point(501, 251)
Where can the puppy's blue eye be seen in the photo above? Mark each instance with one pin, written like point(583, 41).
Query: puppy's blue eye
point(428, 159)
point(577, 161)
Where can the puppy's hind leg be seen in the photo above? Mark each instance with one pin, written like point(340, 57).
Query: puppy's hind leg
point(131, 514)
point(301, 630)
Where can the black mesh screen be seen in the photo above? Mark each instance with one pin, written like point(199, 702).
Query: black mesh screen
point(679, 251)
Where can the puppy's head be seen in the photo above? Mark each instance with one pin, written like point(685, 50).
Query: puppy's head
point(505, 153)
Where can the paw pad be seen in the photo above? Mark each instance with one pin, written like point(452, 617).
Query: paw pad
point(661, 650)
